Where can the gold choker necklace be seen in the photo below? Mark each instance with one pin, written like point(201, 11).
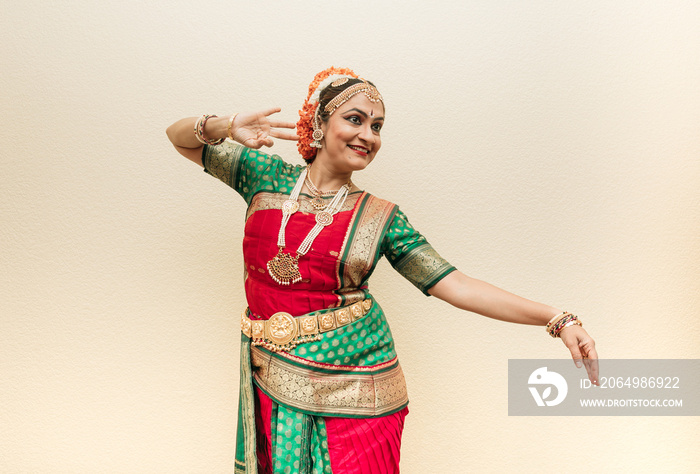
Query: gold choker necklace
point(318, 202)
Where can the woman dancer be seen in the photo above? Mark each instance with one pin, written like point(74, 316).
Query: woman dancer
point(321, 387)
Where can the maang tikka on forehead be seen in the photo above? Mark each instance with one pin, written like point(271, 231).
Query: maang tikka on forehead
point(365, 87)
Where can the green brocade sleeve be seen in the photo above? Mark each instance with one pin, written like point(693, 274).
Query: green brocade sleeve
point(412, 256)
point(248, 171)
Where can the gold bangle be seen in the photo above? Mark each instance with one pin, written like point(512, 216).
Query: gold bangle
point(575, 322)
point(551, 321)
point(555, 320)
point(228, 129)
point(199, 131)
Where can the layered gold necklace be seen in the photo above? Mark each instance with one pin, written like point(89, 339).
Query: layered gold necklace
point(318, 202)
point(284, 267)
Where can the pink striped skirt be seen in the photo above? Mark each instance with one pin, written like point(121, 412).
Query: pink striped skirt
point(355, 445)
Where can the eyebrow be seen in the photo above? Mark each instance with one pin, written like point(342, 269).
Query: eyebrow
point(364, 114)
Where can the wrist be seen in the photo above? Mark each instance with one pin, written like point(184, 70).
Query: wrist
point(554, 315)
point(560, 322)
point(215, 128)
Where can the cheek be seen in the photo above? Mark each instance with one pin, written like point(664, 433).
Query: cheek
point(339, 135)
point(377, 145)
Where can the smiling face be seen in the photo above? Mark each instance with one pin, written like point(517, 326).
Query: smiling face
point(352, 135)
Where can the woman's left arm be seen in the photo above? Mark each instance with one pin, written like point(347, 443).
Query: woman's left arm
point(483, 298)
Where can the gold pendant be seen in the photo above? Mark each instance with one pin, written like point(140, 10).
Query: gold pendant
point(318, 203)
point(290, 207)
point(284, 268)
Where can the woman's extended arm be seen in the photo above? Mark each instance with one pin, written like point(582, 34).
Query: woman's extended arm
point(252, 129)
point(483, 298)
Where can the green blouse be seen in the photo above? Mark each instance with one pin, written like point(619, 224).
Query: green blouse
point(251, 172)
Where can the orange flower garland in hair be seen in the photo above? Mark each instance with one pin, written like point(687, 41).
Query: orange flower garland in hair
point(305, 124)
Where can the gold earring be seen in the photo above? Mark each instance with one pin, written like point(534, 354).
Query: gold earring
point(318, 133)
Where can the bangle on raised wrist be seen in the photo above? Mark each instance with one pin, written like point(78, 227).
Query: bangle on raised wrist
point(199, 131)
point(228, 129)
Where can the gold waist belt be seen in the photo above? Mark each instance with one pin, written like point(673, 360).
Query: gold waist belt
point(283, 332)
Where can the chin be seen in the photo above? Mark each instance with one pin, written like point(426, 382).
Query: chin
point(358, 164)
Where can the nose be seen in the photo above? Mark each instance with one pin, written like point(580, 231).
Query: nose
point(366, 133)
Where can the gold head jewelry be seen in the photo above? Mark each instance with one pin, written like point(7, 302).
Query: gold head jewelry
point(317, 134)
point(339, 82)
point(365, 87)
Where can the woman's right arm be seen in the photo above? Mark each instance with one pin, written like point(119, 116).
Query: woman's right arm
point(251, 129)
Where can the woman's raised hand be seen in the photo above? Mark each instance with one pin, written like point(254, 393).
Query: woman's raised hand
point(257, 129)
point(582, 348)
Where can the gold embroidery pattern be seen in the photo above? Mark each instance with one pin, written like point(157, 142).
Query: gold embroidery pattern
point(364, 243)
point(345, 368)
point(266, 200)
point(421, 265)
point(352, 295)
point(356, 394)
point(220, 161)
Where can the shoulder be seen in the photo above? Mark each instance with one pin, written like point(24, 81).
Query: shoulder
point(249, 171)
point(255, 159)
point(260, 161)
point(376, 199)
point(369, 200)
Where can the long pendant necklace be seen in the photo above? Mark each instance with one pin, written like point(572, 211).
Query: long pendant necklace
point(284, 267)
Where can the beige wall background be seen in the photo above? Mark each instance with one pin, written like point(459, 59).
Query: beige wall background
point(550, 148)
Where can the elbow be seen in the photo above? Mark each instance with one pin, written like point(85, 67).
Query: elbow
point(169, 132)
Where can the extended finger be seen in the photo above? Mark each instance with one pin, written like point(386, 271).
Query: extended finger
point(571, 343)
point(576, 355)
point(281, 124)
point(592, 370)
point(284, 135)
point(591, 362)
point(270, 111)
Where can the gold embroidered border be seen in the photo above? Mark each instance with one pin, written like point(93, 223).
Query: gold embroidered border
point(351, 295)
point(365, 240)
point(356, 394)
point(421, 265)
point(267, 200)
point(344, 368)
point(221, 160)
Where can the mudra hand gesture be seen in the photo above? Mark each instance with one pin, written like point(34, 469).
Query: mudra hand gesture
point(582, 348)
point(255, 129)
